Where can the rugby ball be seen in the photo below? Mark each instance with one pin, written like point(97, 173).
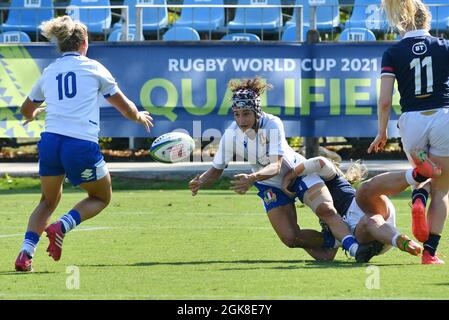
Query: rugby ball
point(172, 147)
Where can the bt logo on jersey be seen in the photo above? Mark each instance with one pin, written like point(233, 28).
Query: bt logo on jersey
point(419, 48)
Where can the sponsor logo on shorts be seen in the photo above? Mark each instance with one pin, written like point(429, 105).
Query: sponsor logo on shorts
point(87, 174)
point(269, 196)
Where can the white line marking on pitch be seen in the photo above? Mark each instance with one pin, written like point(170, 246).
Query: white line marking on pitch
point(80, 229)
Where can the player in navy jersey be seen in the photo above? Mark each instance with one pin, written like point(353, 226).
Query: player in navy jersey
point(420, 65)
point(70, 87)
point(259, 139)
point(368, 211)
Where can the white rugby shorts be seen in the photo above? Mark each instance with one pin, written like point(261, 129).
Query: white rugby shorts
point(354, 214)
point(427, 130)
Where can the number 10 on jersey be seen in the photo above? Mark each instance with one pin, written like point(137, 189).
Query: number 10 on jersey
point(66, 85)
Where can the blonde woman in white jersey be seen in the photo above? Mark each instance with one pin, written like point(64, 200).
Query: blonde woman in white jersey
point(70, 87)
point(259, 138)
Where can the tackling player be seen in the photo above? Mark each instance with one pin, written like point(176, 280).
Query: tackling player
point(368, 211)
point(259, 138)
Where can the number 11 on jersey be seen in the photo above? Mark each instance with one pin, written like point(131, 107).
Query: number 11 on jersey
point(417, 64)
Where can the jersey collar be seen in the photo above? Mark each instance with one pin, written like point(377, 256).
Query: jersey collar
point(71, 53)
point(416, 33)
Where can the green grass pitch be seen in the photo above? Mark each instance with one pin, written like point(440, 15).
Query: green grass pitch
point(156, 241)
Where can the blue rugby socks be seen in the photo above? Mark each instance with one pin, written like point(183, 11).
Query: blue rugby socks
point(30, 243)
point(350, 244)
point(70, 220)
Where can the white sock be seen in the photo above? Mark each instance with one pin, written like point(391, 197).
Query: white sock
point(353, 249)
point(29, 247)
point(393, 240)
point(409, 178)
point(68, 222)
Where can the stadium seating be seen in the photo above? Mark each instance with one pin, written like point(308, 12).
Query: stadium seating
point(440, 15)
point(289, 33)
point(152, 18)
point(117, 35)
point(327, 14)
point(96, 20)
point(367, 14)
point(240, 37)
point(30, 17)
point(14, 37)
point(357, 34)
point(181, 34)
point(202, 19)
point(257, 19)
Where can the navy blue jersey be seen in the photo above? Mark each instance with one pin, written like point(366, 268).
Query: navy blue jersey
point(342, 193)
point(421, 67)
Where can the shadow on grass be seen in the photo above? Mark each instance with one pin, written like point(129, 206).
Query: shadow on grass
point(289, 264)
point(352, 264)
point(16, 273)
point(303, 264)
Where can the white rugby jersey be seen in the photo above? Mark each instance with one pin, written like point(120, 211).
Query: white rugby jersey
point(71, 87)
point(269, 141)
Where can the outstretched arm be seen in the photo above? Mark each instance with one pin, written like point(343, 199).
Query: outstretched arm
point(242, 182)
point(271, 170)
point(129, 110)
point(206, 179)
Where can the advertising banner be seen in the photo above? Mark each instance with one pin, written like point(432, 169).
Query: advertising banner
point(327, 89)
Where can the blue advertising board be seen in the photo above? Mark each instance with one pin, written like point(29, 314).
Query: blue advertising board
point(327, 89)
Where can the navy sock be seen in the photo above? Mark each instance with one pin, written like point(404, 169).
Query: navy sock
point(329, 239)
point(418, 177)
point(420, 193)
point(432, 243)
